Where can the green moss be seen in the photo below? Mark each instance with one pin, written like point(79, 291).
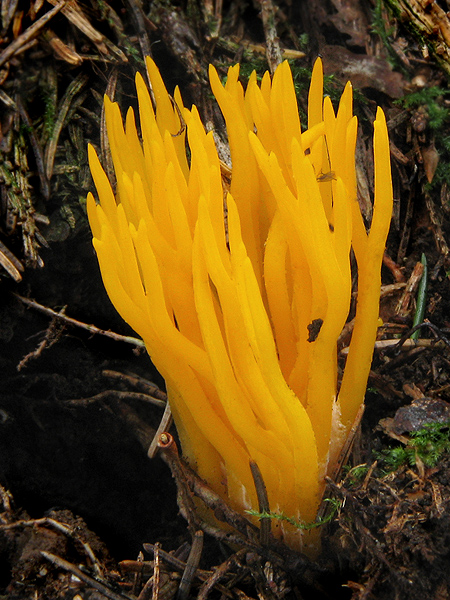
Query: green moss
point(431, 98)
point(428, 444)
point(355, 474)
point(253, 63)
point(334, 503)
point(385, 34)
point(49, 95)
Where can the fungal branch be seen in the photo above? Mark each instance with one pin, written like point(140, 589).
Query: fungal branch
point(242, 318)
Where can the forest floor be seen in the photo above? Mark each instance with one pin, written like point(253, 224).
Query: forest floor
point(78, 495)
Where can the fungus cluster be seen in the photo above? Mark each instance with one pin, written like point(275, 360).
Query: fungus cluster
point(240, 292)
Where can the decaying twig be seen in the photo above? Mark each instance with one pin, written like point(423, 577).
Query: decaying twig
point(6, 499)
point(164, 425)
point(62, 50)
point(138, 16)
point(29, 34)
point(263, 504)
point(138, 573)
point(191, 566)
point(37, 149)
point(397, 273)
point(273, 50)
point(405, 343)
point(93, 583)
point(72, 11)
point(180, 566)
point(69, 97)
point(219, 573)
point(152, 586)
point(440, 338)
point(174, 562)
point(148, 388)
point(117, 395)
point(169, 451)
point(156, 573)
point(437, 221)
point(52, 336)
point(10, 263)
point(404, 304)
point(69, 321)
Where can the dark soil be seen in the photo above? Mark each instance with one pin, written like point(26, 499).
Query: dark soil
point(76, 483)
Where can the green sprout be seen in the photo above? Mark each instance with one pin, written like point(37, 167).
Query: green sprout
point(421, 298)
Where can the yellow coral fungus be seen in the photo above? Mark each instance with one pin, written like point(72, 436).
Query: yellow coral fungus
point(224, 305)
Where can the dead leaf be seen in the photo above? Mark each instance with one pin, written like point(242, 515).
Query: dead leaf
point(363, 71)
point(430, 158)
point(61, 49)
point(351, 20)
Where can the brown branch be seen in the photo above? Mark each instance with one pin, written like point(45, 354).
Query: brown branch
point(91, 328)
point(116, 395)
point(191, 566)
point(164, 425)
point(139, 382)
point(180, 566)
point(219, 573)
point(273, 50)
point(29, 34)
point(10, 263)
point(263, 503)
point(52, 336)
point(90, 581)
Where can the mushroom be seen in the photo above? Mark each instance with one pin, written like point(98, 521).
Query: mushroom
point(227, 307)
